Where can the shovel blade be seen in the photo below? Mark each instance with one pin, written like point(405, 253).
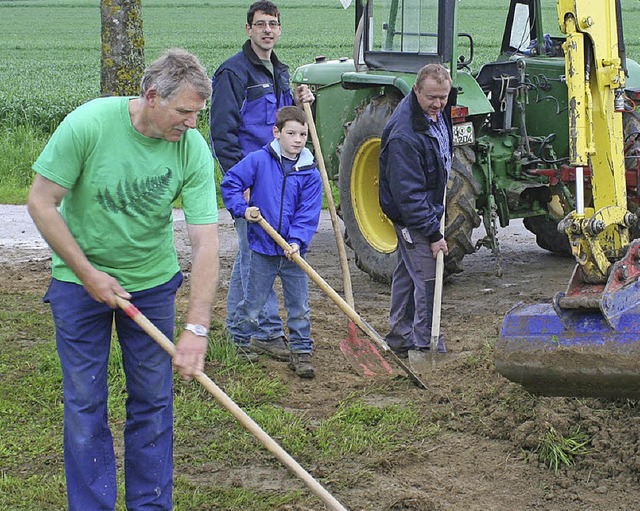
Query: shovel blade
point(425, 363)
point(363, 356)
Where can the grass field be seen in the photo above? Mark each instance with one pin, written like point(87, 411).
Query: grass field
point(51, 50)
point(50, 54)
point(50, 59)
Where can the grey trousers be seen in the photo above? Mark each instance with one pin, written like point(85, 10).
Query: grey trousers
point(412, 290)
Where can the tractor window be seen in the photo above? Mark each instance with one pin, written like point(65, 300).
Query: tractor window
point(521, 28)
point(408, 26)
point(528, 21)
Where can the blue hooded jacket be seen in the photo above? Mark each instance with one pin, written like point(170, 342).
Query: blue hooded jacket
point(244, 102)
point(413, 177)
point(290, 202)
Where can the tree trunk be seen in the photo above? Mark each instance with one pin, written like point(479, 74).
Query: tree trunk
point(122, 63)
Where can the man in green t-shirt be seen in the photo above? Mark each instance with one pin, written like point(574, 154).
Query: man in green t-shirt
point(102, 199)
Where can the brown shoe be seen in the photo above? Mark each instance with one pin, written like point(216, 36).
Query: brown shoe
point(301, 364)
point(275, 348)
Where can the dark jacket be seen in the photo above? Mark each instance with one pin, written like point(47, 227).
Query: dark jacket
point(290, 202)
point(413, 177)
point(244, 102)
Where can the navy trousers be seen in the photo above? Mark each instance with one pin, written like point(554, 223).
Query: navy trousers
point(83, 338)
point(412, 290)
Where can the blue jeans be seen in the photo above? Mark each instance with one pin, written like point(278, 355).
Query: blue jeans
point(269, 322)
point(83, 338)
point(295, 285)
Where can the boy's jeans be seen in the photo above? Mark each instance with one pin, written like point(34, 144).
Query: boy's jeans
point(269, 322)
point(295, 286)
point(83, 336)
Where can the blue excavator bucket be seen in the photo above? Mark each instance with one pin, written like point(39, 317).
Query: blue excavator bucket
point(584, 344)
point(537, 350)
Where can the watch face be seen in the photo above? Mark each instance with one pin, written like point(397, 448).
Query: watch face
point(197, 329)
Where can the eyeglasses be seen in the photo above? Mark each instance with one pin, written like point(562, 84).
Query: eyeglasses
point(263, 24)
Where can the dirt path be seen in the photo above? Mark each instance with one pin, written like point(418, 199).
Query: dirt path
point(488, 425)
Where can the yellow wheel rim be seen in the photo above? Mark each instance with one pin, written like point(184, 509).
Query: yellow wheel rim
point(374, 224)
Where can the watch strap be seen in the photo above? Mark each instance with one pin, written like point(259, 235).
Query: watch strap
point(199, 330)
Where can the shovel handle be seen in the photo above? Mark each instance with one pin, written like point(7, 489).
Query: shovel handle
point(224, 400)
point(339, 301)
point(437, 292)
point(322, 284)
point(342, 253)
point(437, 300)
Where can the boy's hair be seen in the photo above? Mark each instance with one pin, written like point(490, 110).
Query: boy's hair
point(264, 6)
point(290, 113)
point(174, 69)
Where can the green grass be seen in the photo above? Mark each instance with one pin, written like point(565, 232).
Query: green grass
point(51, 55)
point(51, 50)
point(19, 147)
point(556, 450)
point(206, 435)
point(362, 428)
point(51, 60)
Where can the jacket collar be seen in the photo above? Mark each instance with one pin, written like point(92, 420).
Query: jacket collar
point(254, 59)
point(305, 160)
point(418, 117)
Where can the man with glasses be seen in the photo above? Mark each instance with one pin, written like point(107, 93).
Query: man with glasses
point(248, 90)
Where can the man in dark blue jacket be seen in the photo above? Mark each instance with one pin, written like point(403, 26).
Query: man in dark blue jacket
point(415, 161)
point(248, 90)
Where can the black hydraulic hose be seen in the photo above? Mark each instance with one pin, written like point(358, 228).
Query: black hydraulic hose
point(588, 58)
point(621, 48)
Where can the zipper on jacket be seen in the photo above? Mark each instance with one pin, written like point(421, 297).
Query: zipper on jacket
point(284, 185)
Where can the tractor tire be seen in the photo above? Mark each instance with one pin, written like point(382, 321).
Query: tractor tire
point(545, 229)
point(367, 229)
point(631, 127)
point(547, 235)
point(462, 217)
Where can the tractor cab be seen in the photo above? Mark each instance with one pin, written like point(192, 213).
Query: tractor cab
point(404, 35)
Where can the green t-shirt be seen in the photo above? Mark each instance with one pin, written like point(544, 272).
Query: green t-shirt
point(121, 188)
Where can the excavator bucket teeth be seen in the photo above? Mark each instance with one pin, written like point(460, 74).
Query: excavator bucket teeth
point(556, 352)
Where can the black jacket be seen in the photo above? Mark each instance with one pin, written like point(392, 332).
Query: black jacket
point(413, 178)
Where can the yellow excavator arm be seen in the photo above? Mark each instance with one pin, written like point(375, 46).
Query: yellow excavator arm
point(595, 79)
point(587, 342)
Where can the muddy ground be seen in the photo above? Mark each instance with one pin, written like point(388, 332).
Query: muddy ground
point(484, 457)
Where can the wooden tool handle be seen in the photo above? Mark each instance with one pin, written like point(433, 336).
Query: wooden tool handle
point(342, 253)
point(322, 284)
point(437, 293)
point(339, 301)
point(224, 400)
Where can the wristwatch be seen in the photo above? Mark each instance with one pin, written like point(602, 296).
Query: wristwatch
point(199, 330)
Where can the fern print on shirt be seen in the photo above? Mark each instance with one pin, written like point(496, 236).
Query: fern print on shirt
point(134, 197)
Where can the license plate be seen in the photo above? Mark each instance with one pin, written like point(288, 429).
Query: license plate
point(463, 134)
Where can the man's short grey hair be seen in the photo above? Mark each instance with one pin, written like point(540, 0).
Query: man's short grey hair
point(436, 72)
point(173, 70)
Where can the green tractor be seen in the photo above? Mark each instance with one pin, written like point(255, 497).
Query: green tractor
point(510, 126)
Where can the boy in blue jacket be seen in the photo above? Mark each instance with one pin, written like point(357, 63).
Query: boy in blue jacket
point(286, 190)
